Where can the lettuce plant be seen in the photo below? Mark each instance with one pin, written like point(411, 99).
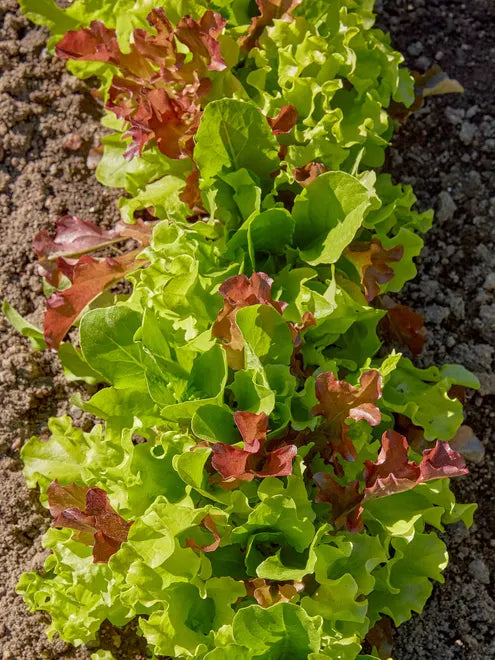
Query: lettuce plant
point(265, 479)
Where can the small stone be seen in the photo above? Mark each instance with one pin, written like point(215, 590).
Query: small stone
point(4, 181)
point(446, 207)
point(489, 283)
point(471, 641)
point(415, 49)
point(472, 184)
point(75, 412)
point(484, 252)
point(476, 357)
point(479, 570)
point(94, 156)
point(487, 383)
point(487, 315)
point(454, 115)
point(468, 131)
point(423, 63)
point(472, 111)
point(458, 533)
point(468, 445)
point(16, 445)
point(436, 314)
point(72, 142)
point(457, 307)
point(488, 145)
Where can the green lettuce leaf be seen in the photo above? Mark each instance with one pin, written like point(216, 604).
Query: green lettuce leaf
point(328, 214)
point(277, 631)
point(422, 395)
point(234, 135)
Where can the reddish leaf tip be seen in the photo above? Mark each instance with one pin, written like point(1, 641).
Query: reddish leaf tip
point(88, 511)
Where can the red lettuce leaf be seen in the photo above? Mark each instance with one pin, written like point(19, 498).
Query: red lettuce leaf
point(230, 462)
point(269, 11)
point(238, 292)
point(403, 325)
point(330, 441)
point(66, 497)
point(96, 43)
point(89, 276)
point(209, 524)
point(253, 429)
point(88, 511)
point(296, 329)
point(267, 593)
point(308, 173)
point(371, 260)
point(340, 400)
point(73, 236)
point(254, 460)
point(201, 37)
point(191, 195)
point(158, 89)
point(393, 473)
point(234, 464)
point(285, 121)
point(344, 501)
point(381, 637)
point(442, 462)
point(278, 462)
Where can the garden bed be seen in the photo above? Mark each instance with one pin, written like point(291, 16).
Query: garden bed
point(446, 152)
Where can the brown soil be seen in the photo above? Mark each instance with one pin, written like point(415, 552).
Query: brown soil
point(40, 180)
point(447, 148)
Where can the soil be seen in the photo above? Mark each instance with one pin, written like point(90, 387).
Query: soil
point(446, 151)
point(48, 124)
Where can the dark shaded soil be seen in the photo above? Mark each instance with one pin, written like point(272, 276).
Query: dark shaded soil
point(446, 152)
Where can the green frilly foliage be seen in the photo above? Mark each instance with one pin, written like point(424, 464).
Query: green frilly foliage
point(169, 380)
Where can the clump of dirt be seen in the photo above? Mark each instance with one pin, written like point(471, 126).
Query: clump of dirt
point(49, 124)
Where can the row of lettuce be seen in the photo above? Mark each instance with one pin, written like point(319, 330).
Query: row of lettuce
point(265, 479)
